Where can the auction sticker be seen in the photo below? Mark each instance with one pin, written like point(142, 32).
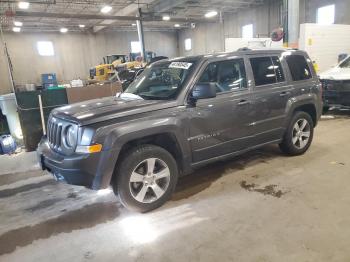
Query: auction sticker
point(181, 65)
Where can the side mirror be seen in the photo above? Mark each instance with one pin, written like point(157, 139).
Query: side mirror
point(204, 90)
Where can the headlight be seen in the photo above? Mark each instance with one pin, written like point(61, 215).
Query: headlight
point(71, 136)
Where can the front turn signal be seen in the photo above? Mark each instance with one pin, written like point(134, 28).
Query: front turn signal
point(89, 149)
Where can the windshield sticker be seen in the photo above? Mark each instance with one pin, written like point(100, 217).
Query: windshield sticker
point(181, 65)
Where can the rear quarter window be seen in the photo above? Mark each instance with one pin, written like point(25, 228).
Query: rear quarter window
point(298, 67)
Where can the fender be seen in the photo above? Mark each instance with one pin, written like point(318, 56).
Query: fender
point(115, 136)
point(298, 101)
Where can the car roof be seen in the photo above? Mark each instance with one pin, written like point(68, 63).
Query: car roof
point(241, 51)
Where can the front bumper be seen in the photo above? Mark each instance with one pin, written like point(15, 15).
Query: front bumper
point(90, 170)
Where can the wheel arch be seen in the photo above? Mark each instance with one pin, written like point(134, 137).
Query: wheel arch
point(310, 109)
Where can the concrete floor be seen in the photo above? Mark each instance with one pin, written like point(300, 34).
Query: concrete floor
point(262, 206)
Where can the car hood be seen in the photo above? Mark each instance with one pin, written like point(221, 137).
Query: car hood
point(336, 73)
point(97, 110)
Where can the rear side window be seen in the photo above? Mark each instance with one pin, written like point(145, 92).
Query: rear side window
point(298, 67)
point(227, 75)
point(267, 70)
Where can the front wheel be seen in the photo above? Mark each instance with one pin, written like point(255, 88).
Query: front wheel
point(146, 178)
point(299, 134)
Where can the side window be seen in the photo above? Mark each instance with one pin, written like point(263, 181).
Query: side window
point(278, 69)
point(263, 70)
point(298, 67)
point(228, 75)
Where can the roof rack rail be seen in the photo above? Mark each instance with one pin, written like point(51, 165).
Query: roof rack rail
point(244, 49)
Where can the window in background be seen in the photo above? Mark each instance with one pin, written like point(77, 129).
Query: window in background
point(45, 48)
point(135, 47)
point(247, 31)
point(188, 44)
point(325, 15)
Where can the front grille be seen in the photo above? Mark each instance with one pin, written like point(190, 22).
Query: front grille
point(54, 133)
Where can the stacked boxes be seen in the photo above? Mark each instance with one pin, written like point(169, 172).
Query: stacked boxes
point(48, 80)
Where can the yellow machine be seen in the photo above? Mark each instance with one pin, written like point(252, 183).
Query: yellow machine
point(104, 71)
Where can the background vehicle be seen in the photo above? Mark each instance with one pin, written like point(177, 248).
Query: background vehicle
point(104, 71)
point(182, 114)
point(336, 85)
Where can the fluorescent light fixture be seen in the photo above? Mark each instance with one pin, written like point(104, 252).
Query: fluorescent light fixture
point(211, 14)
point(63, 30)
point(166, 17)
point(23, 5)
point(106, 9)
point(17, 23)
point(176, 25)
point(16, 29)
point(81, 26)
point(133, 24)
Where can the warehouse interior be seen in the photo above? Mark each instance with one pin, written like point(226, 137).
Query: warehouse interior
point(261, 205)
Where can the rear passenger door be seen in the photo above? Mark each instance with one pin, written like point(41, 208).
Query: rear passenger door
point(270, 96)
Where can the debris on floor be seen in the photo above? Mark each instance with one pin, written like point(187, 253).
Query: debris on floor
point(337, 163)
point(267, 190)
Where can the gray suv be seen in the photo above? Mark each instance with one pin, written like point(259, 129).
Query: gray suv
point(180, 114)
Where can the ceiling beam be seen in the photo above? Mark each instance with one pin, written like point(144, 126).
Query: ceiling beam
point(104, 17)
point(131, 9)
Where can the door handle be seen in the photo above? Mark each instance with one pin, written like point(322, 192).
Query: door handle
point(284, 94)
point(243, 102)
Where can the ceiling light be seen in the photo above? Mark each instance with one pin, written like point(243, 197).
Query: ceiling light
point(81, 26)
point(177, 25)
point(133, 24)
point(23, 5)
point(17, 23)
point(106, 9)
point(211, 14)
point(63, 30)
point(16, 29)
point(166, 18)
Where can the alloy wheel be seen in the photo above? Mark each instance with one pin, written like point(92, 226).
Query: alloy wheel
point(149, 180)
point(301, 133)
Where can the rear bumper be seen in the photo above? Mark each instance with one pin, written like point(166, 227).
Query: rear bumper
point(90, 170)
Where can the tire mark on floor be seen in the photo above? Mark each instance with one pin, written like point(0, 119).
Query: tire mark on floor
point(86, 217)
point(7, 179)
point(14, 191)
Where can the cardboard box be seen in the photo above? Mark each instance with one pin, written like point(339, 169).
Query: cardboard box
point(79, 94)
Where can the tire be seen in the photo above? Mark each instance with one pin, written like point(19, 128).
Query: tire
point(298, 142)
point(145, 178)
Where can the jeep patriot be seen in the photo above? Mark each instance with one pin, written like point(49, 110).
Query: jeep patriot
point(180, 114)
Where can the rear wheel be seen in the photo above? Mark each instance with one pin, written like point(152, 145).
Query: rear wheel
point(299, 134)
point(146, 178)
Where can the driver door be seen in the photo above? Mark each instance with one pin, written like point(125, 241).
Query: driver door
point(222, 125)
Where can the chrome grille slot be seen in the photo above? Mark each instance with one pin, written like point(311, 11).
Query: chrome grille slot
point(54, 134)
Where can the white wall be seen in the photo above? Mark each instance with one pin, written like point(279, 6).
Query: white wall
point(210, 37)
point(75, 53)
point(324, 43)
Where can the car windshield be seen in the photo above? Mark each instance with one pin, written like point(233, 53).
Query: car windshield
point(162, 81)
point(345, 63)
